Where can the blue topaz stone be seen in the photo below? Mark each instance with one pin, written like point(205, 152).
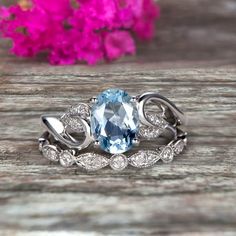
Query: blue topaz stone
point(114, 121)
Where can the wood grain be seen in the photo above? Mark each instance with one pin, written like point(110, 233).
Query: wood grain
point(191, 61)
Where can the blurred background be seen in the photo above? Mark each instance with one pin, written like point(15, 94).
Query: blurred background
point(191, 31)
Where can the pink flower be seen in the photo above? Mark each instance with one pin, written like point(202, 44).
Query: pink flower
point(63, 50)
point(89, 48)
point(145, 24)
point(118, 44)
point(78, 30)
point(58, 9)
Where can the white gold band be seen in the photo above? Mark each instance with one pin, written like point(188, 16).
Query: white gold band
point(62, 141)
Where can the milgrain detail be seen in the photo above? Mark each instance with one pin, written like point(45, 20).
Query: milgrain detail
point(93, 161)
point(102, 128)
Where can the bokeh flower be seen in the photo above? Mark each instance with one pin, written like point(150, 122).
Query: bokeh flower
point(78, 30)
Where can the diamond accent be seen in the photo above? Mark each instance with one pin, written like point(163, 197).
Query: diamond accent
point(156, 120)
point(73, 122)
point(150, 132)
point(179, 146)
point(66, 159)
point(167, 154)
point(50, 152)
point(116, 122)
point(72, 117)
point(92, 161)
point(43, 144)
point(144, 159)
point(82, 110)
point(118, 162)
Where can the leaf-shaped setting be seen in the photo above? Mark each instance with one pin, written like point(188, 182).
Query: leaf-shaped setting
point(156, 120)
point(144, 159)
point(82, 110)
point(118, 162)
point(50, 152)
point(150, 132)
point(73, 122)
point(92, 161)
point(66, 158)
point(178, 146)
point(73, 115)
point(167, 154)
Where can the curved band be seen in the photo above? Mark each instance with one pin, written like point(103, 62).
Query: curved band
point(156, 97)
point(60, 141)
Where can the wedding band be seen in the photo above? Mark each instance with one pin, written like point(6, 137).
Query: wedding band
point(115, 125)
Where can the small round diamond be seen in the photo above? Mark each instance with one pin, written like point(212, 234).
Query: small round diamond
point(140, 158)
point(179, 146)
point(72, 118)
point(66, 159)
point(167, 154)
point(50, 152)
point(150, 132)
point(118, 162)
point(82, 110)
point(73, 122)
point(156, 120)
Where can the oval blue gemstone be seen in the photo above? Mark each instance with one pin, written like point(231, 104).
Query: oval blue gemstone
point(114, 121)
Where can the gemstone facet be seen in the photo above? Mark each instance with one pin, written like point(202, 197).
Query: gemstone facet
point(114, 121)
point(118, 162)
point(66, 159)
point(179, 146)
point(167, 154)
point(50, 152)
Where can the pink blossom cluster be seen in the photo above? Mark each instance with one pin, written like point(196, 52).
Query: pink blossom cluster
point(78, 30)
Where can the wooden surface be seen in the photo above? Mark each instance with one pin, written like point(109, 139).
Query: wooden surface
point(191, 61)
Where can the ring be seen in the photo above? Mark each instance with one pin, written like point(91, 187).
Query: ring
point(111, 128)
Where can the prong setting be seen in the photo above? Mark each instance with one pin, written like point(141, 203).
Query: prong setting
point(57, 145)
point(134, 99)
point(136, 142)
point(96, 144)
point(93, 100)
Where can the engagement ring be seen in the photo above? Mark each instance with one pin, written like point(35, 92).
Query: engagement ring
point(109, 130)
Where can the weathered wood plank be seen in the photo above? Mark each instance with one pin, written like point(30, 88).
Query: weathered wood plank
point(107, 206)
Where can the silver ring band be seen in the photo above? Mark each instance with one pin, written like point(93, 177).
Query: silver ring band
point(117, 124)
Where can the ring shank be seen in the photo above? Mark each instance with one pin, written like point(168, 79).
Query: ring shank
point(60, 137)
